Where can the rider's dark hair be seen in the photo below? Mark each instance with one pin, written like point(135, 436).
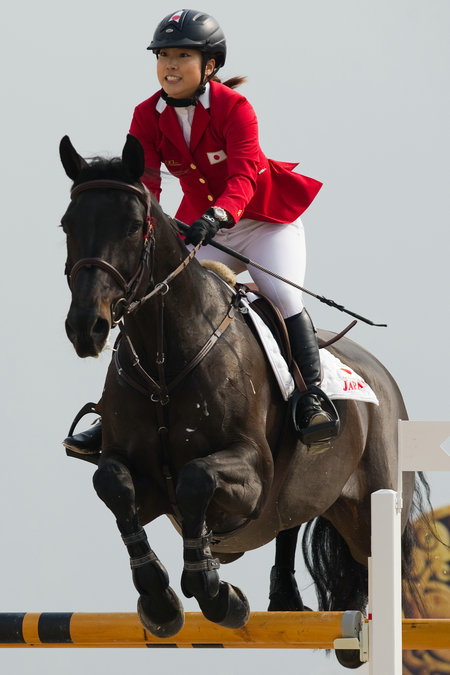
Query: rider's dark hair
point(232, 82)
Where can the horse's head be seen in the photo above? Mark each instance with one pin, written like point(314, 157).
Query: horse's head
point(107, 226)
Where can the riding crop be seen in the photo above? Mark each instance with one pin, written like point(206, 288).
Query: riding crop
point(331, 303)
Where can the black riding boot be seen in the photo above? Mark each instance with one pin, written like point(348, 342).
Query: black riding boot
point(316, 426)
point(87, 442)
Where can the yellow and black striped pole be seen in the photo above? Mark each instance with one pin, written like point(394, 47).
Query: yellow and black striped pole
point(265, 630)
point(310, 630)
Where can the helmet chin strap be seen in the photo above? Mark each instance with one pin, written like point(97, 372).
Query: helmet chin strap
point(182, 102)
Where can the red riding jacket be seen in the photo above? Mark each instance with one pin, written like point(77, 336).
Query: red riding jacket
point(224, 165)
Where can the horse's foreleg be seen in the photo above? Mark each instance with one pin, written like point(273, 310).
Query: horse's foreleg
point(230, 477)
point(284, 594)
point(159, 608)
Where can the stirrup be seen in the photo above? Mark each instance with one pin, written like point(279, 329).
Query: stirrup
point(318, 435)
point(71, 449)
point(86, 442)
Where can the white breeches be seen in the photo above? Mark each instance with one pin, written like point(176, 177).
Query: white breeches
point(280, 248)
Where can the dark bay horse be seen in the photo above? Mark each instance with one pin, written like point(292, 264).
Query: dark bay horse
point(194, 425)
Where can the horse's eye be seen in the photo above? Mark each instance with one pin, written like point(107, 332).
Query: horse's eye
point(133, 228)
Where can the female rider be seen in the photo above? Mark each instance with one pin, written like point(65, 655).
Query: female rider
point(207, 135)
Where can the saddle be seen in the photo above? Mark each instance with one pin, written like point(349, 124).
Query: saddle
point(271, 315)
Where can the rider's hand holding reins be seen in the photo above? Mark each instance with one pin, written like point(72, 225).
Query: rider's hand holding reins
point(206, 227)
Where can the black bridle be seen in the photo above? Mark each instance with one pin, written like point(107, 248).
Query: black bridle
point(129, 287)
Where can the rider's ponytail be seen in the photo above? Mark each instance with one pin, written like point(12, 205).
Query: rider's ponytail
point(232, 83)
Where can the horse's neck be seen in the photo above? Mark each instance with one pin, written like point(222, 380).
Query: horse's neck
point(187, 314)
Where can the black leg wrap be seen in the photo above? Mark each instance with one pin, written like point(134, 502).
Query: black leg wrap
point(159, 608)
point(142, 560)
point(229, 608)
point(200, 578)
point(206, 565)
point(149, 574)
point(199, 550)
point(135, 537)
point(201, 543)
point(219, 601)
point(148, 571)
point(199, 574)
point(284, 594)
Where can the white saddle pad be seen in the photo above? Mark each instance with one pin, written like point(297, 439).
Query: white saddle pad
point(338, 380)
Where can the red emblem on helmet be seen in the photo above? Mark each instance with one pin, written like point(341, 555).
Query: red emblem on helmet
point(177, 16)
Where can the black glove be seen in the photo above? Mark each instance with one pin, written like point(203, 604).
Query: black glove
point(204, 229)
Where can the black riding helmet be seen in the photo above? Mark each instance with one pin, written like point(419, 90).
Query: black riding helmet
point(195, 30)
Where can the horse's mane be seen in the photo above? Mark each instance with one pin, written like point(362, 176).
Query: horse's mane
point(107, 168)
point(112, 168)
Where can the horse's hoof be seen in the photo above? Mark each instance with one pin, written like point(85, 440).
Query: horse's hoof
point(162, 628)
point(349, 658)
point(229, 608)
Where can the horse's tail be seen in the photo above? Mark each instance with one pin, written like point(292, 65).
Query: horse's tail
point(341, 582)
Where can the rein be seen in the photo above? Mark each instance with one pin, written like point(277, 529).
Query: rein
point(163, 286)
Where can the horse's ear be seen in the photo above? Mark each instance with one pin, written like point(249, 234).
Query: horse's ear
point(133, 157)
point(71, 160)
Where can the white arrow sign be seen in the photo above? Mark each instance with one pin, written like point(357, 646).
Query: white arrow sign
point(424, 446)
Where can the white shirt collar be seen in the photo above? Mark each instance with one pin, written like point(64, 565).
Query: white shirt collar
point(204, 100)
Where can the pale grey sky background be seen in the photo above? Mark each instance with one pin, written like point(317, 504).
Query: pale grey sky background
point(359, 93)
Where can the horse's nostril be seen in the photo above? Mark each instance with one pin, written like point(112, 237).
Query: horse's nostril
point(71, 334)
point(101, 328)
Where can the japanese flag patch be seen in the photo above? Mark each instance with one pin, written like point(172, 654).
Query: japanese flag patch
point(176, 16)
point(216, 157)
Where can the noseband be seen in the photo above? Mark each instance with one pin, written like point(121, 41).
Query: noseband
point(129, 287)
